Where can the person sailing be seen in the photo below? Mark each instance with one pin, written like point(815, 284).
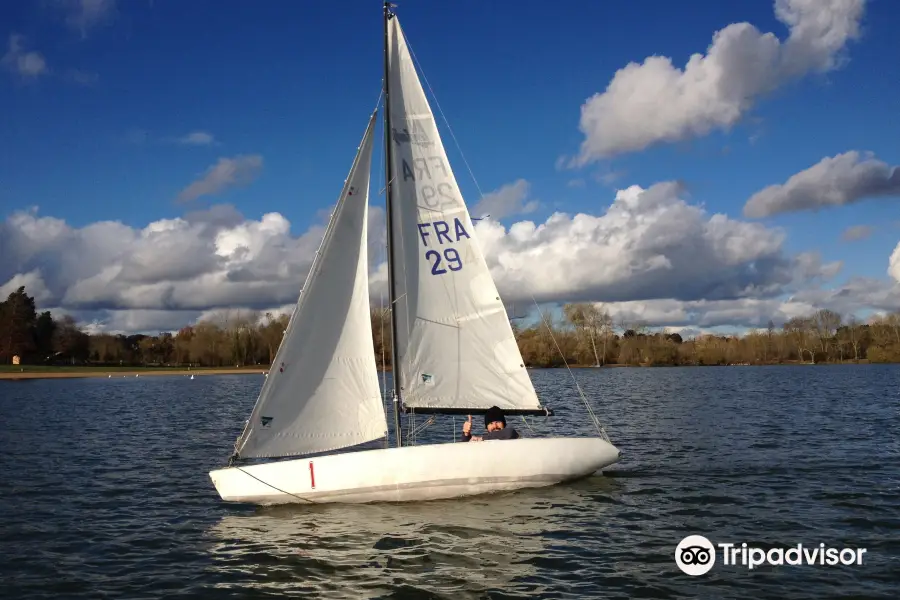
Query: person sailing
point(495, 426)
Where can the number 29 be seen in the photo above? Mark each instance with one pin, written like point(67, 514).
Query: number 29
point(454, 262)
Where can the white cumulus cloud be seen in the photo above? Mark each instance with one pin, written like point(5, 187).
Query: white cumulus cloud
point(31, 281)
point(704, 314)
point(655, 101)
point(894, 264)
point(649, 244)
point(650, 253)
point(834, 181)
point(139, 277)
point(755, 313)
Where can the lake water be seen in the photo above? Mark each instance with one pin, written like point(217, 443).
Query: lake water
point(105, 494)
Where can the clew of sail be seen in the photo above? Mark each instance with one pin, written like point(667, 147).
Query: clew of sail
point(455, 348)
point(322, 391)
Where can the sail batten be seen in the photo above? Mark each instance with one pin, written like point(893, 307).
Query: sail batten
point(322, 390)
point(455, 348)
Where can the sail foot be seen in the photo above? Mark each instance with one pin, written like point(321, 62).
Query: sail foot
point(437, 410)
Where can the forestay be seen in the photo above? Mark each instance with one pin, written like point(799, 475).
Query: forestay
point(455, 346)
point(322, 390)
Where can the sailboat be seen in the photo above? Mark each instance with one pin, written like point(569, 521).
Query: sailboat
point(454, 351)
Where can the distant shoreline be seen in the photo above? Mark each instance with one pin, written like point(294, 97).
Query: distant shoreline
point(96, 372)
point(9, 372)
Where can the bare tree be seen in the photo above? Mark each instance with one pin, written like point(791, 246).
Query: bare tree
point(589, 321)
point(606, 330)
point(770, 332)
point(798, 330)
point(853, 335)
point(893, 321)
point(826, 325)
point(272, 332)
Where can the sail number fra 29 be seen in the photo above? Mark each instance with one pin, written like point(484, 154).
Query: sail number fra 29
point(442, 231)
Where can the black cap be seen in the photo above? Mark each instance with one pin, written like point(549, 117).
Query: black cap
point(494, 414)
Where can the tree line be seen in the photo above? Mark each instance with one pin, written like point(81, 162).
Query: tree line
point(585, 334)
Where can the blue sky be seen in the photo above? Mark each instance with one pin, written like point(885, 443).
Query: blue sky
point(95, 136)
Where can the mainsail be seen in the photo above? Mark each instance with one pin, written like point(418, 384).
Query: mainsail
point(322, 390)
point(454, 347)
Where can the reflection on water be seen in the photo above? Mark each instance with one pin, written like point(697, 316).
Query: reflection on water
point(451, 548)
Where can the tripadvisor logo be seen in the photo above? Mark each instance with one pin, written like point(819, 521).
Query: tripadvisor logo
point(696, 555)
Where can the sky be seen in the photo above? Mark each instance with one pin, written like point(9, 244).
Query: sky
point(701, 166)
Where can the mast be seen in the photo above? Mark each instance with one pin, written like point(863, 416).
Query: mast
point(389, 169)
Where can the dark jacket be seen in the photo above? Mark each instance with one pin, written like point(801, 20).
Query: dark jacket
point(507, 433)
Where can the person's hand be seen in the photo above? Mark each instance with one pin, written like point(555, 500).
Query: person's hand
point(476, 438)
point(467, 426)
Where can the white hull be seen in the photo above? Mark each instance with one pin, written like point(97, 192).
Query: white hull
point(416, 473)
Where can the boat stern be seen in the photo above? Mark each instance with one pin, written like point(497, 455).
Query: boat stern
point(235, 486)
point(217, 476)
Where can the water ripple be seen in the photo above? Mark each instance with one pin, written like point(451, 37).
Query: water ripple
point(106, 495)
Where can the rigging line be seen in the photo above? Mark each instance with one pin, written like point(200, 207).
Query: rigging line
point(425, 425)
point(587, 404)
point(527, 424)
point(380, 94)
point(274, 487)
